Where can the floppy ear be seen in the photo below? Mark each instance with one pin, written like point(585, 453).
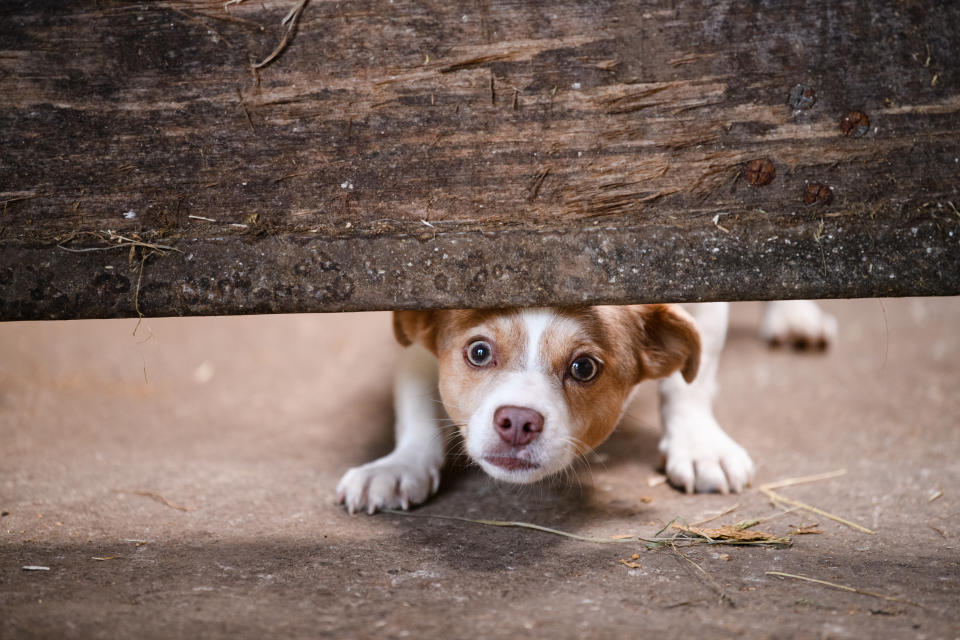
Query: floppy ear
point(669, 341)
point(416, 326)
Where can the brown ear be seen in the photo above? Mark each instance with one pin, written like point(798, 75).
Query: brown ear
point(416, 326)
point(669, 341)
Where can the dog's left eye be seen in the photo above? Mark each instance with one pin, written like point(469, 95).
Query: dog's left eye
point(584, 369)
point(479, 353)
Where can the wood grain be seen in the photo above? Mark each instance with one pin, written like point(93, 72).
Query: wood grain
point(554, 152)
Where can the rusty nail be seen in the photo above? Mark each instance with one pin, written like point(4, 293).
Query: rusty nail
point(760, 172)
point(855, 123)
point(817, 193)
point(802, 96)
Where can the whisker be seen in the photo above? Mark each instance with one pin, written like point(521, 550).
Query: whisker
point(580, 450)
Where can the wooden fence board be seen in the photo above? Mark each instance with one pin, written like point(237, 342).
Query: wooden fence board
point(500, 152)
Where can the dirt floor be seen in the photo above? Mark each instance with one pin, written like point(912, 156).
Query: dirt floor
point(182, 486)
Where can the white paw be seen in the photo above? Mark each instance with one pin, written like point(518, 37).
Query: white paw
point(392, 482)
point(699, 456)
point(800, 323)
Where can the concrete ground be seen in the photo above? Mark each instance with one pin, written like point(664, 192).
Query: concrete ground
point(179, 483)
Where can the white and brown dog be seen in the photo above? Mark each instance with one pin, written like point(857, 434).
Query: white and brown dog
point(531, 389)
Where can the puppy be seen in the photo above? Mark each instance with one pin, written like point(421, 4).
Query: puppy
point(531, 389)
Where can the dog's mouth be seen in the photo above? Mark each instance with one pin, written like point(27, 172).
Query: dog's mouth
point(511, 463)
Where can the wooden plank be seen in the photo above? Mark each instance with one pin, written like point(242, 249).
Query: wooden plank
point(397, 154)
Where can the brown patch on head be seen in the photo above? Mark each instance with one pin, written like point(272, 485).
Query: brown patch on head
point(574, 331)
point(455, 329)
point(436, 329)
point(462, 385)
point(632, 343)
point(606, 334)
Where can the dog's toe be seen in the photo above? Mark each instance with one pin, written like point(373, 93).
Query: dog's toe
point(710, 477)
point(738, 469)
point(382, 491)
point(415, 489)
point(680, 472)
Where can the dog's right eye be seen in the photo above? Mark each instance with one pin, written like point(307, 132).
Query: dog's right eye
point(479, 353)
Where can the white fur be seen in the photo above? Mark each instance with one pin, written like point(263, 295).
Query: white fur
point(411, 472)
point(535, 323)
point(698, 454)
point(789, 321)
point(551, 451)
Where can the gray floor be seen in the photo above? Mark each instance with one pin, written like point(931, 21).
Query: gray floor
point(248, 423)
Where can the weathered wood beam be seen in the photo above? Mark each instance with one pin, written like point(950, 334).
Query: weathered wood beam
point(398, 155)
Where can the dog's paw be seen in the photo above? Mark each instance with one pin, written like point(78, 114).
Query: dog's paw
point(800, 323)
point(699, 456)
point(392, 482)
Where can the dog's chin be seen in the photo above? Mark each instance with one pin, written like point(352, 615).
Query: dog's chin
point(511, 469)
point(517, 470)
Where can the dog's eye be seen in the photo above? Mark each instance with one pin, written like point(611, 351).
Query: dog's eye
point(479, 353)
point(584, 369)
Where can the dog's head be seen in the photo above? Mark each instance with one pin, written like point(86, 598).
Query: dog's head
point(530, 389)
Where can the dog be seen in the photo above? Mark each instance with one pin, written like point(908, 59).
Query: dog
point(532, 389)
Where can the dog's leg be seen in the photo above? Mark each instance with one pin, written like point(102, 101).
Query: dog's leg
point(698, 454)
point(411, 472)
point(801, 323)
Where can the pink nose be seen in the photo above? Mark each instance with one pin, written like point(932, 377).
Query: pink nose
point(517, 426)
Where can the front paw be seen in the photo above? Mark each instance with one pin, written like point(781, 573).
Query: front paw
point(699, 456)
point(392, 482)
point(800, 323)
